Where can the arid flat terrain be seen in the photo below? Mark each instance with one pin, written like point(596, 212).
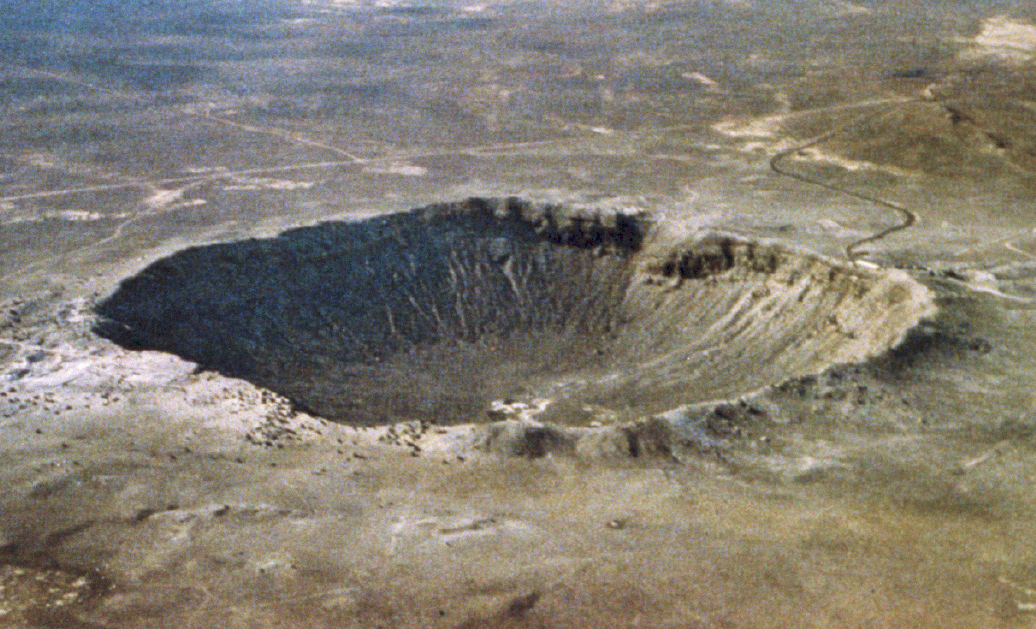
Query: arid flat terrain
point(328, 313)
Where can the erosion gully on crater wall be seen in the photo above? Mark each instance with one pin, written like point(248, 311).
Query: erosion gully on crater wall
point(444, 312)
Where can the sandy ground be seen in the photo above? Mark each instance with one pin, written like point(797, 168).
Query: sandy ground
point(142, 491)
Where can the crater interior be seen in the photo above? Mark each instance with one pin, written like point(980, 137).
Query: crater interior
point(437, 313)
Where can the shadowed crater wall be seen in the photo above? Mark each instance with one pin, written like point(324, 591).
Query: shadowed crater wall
point(436, 313)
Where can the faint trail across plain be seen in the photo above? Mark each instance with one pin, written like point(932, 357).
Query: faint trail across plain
point(908, 216)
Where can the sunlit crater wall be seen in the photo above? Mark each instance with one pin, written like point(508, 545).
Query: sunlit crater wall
point(436, 313)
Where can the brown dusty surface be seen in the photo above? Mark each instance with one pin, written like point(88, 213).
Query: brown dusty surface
point(894, 490)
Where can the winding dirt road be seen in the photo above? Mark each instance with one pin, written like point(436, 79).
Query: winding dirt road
point(908, 216)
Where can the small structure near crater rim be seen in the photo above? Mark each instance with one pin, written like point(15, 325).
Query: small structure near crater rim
point(436, 313)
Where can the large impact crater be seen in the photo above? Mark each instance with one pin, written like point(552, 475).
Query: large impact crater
point(437, 313)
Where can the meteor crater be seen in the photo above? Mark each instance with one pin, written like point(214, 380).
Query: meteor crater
point(444, 312)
